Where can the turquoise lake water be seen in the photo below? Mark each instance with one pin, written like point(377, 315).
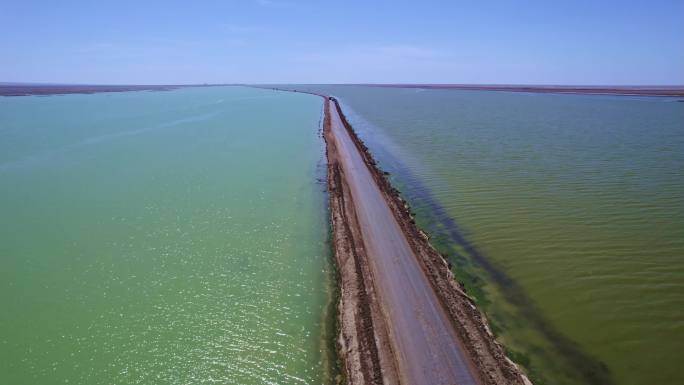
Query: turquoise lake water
point(163, 238)
point(564, 215)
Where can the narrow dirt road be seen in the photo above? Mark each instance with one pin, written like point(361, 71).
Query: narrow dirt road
point(423, 342)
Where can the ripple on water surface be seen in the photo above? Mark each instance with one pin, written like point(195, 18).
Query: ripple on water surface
point(184, 244)
point(577, 198)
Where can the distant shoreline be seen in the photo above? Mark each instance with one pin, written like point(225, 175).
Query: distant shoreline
point(61, 89)
point(39, 89)
point(676, 91)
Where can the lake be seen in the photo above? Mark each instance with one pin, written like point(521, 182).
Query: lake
point(563, 215)
point(164, 238)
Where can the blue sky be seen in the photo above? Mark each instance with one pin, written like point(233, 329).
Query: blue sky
point(276, 41)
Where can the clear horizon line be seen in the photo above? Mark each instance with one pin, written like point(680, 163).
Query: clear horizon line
point(578, 85)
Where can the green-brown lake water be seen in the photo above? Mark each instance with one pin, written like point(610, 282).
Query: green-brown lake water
point(163, 238)
point(564, 215)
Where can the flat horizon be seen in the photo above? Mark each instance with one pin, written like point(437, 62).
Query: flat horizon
point(664, 86)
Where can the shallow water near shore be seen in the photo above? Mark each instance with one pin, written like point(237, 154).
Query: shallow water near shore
point(564, 215)
point(163, 238)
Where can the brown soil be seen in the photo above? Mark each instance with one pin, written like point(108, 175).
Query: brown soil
point(363, 341)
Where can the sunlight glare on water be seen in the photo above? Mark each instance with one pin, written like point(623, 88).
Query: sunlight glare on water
point(162, 238)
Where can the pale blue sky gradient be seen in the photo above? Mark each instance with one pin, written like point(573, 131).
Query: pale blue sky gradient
point(273, 41)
